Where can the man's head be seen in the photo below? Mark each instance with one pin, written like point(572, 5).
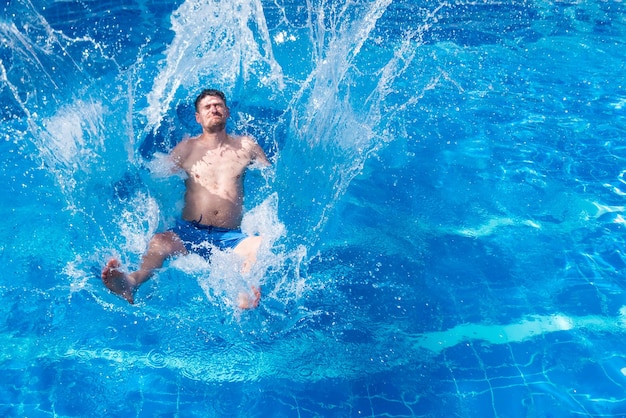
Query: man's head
point(210, 92)
point(212, 111)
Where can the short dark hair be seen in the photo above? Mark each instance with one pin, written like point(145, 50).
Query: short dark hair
point(210, 92)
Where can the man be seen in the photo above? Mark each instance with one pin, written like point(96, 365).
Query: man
point(214, 163)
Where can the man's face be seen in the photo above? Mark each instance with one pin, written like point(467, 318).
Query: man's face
point(212, 114)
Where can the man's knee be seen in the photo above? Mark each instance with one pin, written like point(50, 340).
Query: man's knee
point(247, 250)
point(249, 246)
point(166, 243)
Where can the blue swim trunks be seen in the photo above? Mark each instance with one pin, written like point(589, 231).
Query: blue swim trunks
point(199, 238)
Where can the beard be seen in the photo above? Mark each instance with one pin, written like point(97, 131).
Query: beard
point(215, 127)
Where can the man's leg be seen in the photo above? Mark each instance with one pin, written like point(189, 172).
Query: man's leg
point(161, 246)
point(247, 249)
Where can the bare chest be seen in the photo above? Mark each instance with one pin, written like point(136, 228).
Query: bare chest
point(217, 167)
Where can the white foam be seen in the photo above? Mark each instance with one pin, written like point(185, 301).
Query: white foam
point(79, 278)
point(263, 220)
point(72, 136)
point(161, 166)
point(138, 222)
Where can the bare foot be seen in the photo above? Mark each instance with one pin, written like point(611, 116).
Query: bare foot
point(118, 282)
point(247, 301)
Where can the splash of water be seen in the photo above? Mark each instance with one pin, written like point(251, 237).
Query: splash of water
point(40, 64)
point(327, 130)
point(52, 98)
point(225, 44)
point(334, 130)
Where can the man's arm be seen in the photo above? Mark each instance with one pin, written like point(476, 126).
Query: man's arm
point(257, 155)
point(179, 154)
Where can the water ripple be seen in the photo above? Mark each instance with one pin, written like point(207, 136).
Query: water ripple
point(156, 359)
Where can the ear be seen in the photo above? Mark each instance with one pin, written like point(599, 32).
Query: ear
point(197, 117)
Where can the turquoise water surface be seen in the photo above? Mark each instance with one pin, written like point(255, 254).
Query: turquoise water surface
point(444, 214)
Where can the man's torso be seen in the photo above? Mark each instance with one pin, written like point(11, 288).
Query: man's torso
point(214, 193)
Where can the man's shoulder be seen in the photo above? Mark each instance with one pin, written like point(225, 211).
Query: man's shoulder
point(182, 143)
point(240, 138)
point(188, 141)
point(241, 142)
point(183, 149)
point(254, 150)
point(246, 141)
point(187, 144)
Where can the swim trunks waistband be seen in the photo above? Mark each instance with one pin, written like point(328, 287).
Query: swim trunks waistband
point(200, 239)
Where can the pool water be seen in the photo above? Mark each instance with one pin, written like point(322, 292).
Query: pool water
point(444, 215)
